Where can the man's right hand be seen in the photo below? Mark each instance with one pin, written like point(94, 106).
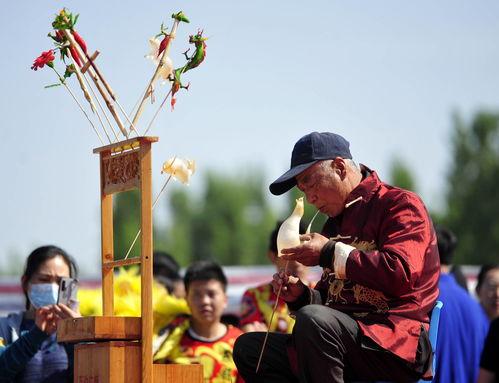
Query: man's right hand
point(292, 287)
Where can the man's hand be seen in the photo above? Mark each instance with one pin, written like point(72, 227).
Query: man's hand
point(292, 287)
point(254, 326)
point(46, 320)
point(309, 252)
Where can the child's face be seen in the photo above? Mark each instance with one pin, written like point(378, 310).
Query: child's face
point(207, 300)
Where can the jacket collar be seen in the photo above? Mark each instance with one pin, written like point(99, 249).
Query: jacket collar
point(365, 189)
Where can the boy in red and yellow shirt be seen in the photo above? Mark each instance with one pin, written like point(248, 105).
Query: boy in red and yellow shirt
point(202, 338)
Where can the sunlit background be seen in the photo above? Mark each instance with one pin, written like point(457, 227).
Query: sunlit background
point(391, 76)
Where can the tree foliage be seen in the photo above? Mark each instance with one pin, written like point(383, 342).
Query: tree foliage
point(126, 223)
point(473, 189)
point(401, 175)
point(230, 221)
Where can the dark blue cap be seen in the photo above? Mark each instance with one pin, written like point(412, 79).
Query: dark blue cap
point(308, 150)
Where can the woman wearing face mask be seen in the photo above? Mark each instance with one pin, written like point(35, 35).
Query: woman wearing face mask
point(29, 351)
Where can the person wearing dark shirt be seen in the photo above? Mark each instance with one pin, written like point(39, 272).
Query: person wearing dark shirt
point(489, 363)
point(463, 324)
point(29, 352)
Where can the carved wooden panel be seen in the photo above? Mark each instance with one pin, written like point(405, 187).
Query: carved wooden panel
point(121, 172)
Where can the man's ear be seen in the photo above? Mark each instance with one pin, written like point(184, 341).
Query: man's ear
point(340, 167)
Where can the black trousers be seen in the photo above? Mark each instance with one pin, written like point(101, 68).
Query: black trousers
point(329, 348)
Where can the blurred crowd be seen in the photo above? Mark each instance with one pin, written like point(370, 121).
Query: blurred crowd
point(188, 316)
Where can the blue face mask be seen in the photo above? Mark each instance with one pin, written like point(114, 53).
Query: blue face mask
point(43, 294)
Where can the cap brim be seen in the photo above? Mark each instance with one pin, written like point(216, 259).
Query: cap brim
point(287, 180)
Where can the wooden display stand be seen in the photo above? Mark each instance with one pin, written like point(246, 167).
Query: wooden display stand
point(122, 352)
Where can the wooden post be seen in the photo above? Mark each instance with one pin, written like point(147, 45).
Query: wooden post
point(107, 253)
point(146, 260)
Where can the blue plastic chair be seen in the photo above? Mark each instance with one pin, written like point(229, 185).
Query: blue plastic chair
point(434, 320)
point(433, 335)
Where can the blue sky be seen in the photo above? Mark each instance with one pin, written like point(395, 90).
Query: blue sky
point(385, 74)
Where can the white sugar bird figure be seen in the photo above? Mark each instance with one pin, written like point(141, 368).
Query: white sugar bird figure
point(289, 232)
point(166, 70)
point(179, 168)
point(288, 236)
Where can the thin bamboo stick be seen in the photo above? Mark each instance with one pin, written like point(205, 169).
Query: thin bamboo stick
point(156, 74)
point(162, 104)
point(97, 80)
point(84, 88)
point(157, 112)
point(277, 299)
point(101, 109)
point(99, 74)
point(132, 126)
point(108, 87)
point(270, 323)
point(63, 82)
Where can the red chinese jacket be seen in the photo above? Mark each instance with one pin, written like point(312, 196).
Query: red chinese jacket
point(386, 265)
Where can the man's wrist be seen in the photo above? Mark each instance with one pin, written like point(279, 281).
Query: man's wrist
point(326, 258)
point(302, 300)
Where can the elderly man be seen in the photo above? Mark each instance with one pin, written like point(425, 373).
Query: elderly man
point(367, 318)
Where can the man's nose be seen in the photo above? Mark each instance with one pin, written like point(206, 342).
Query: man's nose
point(311, 198)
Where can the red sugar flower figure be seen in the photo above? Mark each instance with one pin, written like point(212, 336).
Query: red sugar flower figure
point(46, 58)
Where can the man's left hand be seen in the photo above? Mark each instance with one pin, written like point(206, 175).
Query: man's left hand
point(309, 252)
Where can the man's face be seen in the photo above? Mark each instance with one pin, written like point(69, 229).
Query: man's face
point(325, 187)
point(207, 301)
point(489, 293)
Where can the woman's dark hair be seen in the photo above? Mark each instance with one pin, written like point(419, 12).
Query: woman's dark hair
point(38, 257)
point(483, 272)
point(204, 271)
